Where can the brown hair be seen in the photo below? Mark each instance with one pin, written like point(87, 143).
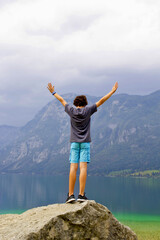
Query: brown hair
point(80, 101)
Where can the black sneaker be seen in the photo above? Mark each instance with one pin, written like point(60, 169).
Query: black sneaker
point(81, 198)
point(70, 199)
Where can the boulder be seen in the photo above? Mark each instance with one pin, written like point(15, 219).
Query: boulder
point(76, 221)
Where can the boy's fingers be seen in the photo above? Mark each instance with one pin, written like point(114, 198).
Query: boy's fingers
point(49, 85)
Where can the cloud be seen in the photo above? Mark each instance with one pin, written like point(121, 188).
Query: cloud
point(6, 2)
point(79, 46)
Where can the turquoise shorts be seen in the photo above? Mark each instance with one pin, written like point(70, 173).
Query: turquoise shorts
point(79, 152)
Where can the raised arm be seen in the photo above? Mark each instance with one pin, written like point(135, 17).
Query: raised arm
point(103, 99)
point(51, 89)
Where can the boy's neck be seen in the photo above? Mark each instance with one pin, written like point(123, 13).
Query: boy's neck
point(79, 107)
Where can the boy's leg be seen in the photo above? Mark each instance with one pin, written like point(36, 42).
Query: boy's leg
point(72, 177)
point(82, 177)
point(84, 160)
point(74, 159)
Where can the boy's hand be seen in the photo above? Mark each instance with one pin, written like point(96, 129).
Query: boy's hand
point(115, 87)
point(50, 87)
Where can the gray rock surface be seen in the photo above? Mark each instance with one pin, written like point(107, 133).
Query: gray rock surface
point(77, 221)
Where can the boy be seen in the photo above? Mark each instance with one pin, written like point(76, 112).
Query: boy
point(80, 138)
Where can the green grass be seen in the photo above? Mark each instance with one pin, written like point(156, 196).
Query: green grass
point(146, 227)
point(125, 172)
point(145, 230)
point(129, 172)
point(149, 173)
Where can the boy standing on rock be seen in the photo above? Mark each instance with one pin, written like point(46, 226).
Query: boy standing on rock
point(80, 138)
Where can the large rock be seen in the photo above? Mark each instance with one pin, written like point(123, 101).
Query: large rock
point(78, 221)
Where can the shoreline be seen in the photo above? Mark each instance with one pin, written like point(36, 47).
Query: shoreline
point(132, 217)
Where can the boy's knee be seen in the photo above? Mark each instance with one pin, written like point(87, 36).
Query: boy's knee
point(74, 166)
point(83, 166)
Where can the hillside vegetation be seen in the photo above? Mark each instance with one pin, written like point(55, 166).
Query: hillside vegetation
point(125, 135)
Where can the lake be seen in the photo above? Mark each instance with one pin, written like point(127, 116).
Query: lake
point(123, 196)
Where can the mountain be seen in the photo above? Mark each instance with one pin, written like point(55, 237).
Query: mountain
point(8, 134)
point(125, 134)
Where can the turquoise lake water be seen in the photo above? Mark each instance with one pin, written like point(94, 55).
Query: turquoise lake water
point(131, 198)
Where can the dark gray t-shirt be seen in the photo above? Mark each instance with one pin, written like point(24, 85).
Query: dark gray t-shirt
point(80, 122)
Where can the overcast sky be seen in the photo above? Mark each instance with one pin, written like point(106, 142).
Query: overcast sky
point(80, 46)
